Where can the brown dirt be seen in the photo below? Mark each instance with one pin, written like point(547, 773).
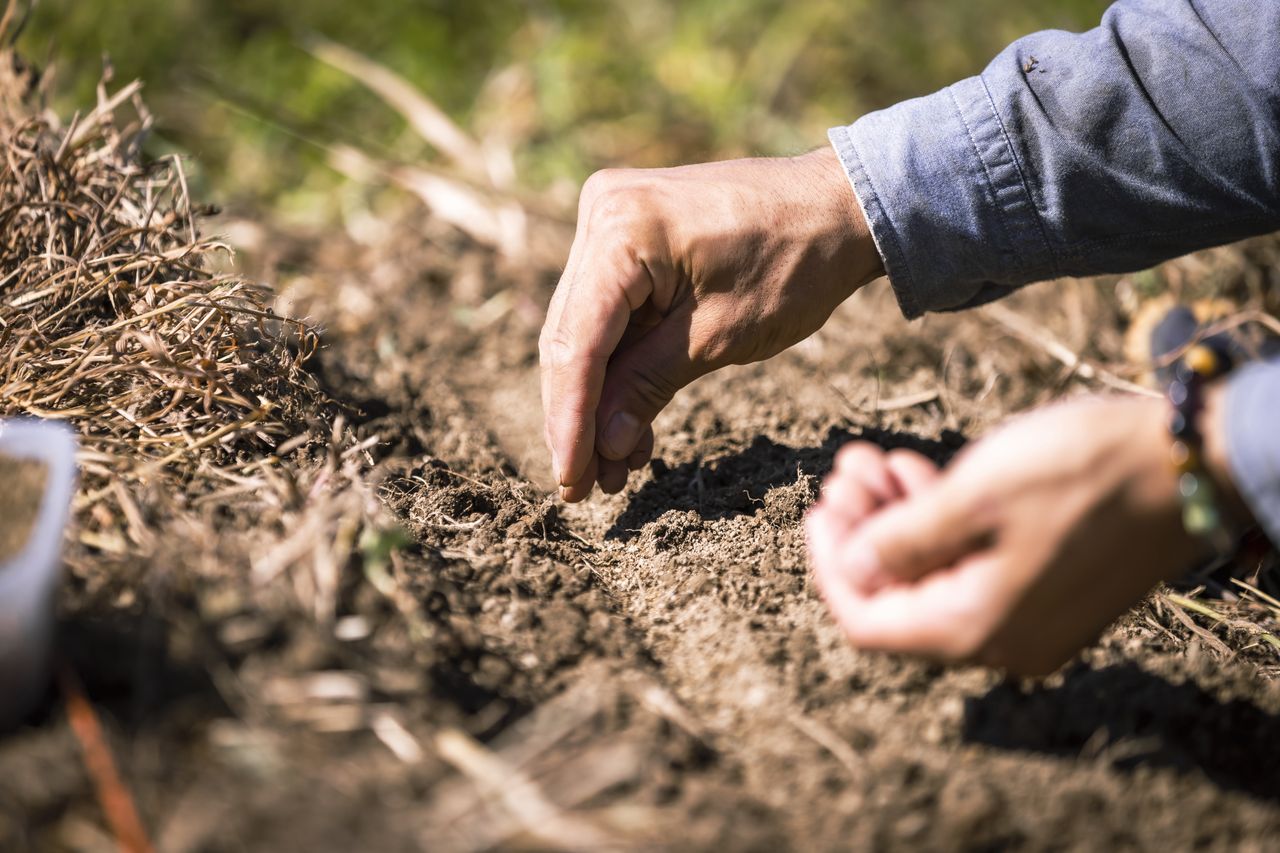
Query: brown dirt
point(647, 671)
point(656, 665)
point(23, 487)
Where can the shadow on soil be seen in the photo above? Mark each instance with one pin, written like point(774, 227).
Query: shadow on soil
point(1129, 718)
point(127, 665)
point(736, 483)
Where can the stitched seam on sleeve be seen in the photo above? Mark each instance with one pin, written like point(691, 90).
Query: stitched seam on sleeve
point(1022, 178)
point(1007, 250)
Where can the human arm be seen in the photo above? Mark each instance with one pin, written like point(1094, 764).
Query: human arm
point(1111, 150)
point(1155, 134)
point(1029, 544)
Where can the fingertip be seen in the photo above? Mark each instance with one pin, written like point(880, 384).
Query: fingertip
point(847, 496)
point(854, 455)
point(913, 471)
point(836, 546)
point(581, 488)
point(643, 452)
point(865, 463)
point(612, 476)
point(573, 462)
point(813, 529)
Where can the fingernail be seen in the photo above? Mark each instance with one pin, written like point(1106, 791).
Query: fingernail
point(555, 467)
point(622, 433)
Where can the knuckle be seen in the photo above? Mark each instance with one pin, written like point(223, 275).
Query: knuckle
point(555, 351)
point(717, 340)
point(618, 207)
point(610, 196)
point(597, 183)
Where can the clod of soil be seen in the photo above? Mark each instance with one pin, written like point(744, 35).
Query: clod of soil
point(23, 486)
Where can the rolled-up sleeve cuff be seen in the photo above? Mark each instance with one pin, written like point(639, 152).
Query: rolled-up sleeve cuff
point(945, 199)
point(1253, 442)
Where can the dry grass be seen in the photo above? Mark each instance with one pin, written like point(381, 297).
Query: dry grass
point(195, 412)
point(111, 317)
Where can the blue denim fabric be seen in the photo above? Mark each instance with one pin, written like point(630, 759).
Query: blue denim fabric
point(1253, 449)
point(1153, 135)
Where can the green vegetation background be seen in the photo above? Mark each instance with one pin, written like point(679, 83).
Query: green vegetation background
point(590, 84)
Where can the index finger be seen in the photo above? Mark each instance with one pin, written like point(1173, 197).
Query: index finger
point(592, 305)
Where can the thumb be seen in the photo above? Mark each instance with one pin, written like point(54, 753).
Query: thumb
point(910, 539)
point(640, 381)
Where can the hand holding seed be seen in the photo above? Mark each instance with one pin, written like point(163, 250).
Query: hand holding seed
point(1023, 550)
point(677, 272)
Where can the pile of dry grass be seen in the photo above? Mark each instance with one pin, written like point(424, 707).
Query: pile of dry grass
point(195, 412)
point(111, 316)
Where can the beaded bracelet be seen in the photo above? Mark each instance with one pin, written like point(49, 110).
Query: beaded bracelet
point(1201, 515)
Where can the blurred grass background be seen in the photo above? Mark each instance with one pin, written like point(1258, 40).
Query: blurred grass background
point(578, 84)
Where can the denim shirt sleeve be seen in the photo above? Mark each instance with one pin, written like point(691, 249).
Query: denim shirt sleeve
point(1153, 135)
point(1253, 441)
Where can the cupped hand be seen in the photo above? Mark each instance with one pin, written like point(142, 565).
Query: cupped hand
point(676, 272)
point(1023, 550)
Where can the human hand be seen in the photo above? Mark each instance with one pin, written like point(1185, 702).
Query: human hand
point(1021, 552)
point(675, 273)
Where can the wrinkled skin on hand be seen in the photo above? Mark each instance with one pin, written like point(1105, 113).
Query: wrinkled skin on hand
point(676, 272)
point(1024, 549)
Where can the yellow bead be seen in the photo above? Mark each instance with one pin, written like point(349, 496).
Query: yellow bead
point(1203, 360)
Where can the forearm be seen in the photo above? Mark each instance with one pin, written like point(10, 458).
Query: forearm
point(1156, 134)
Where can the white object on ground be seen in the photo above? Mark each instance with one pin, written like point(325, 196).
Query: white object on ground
point(29, 578)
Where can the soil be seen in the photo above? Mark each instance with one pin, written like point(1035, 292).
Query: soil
point(651, 670)
point(20, 497)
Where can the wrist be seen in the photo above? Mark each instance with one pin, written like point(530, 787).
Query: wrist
point(1164, 473)
point(1155, 481)
point(843, 212)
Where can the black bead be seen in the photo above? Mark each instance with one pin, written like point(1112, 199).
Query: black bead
point(1222, 345)
point(1181, 426)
